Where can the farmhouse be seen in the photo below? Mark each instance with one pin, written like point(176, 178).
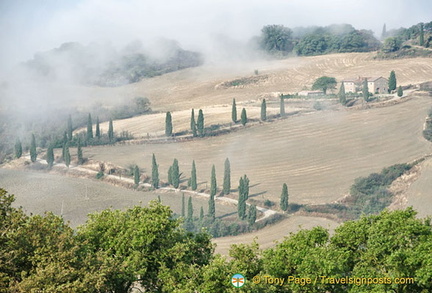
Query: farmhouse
point(376, 85)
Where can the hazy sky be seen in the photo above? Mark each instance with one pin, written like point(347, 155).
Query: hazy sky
point(39, 25)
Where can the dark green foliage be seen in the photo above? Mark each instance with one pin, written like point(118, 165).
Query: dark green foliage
point(227, 177)
point(175, 174)
point(168, 124)
point(170, 181)
point(80, 153)
point(400, 91)
point(252, 214)
point(189, 210)
point(155, 173)
point(89, 127)
point(137, 175)
point(67, 156)
point(201, 216)
point(243, 117)
point(276, 39)
point(392, 83)
point(33, 153)
point(245, 187)
point(111, 130)
point(193, 124)
point(69, 128)
point(365, 90)
point(284, 198)
point(213, 184)
point(50, 156)
point(211, 208)
point(391, 44)
point(98, 133)
point(193, 177)
point(342, 95)
point(18, 148)
point(282, 106)
point(183, 208)
point(234, 112)
point(324, 83)
point(241, 205)
point(263, 110)
point(421, 37)
point(200, 123)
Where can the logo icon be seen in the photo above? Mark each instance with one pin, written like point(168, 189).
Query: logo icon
point(238, 280)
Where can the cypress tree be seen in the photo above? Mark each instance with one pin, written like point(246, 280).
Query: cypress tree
point(421, 38)
point(200, 123)
point(243, 117)
point(193, 177)
point(234, 111)
point(170, 181)
point(80, 153)
point(384, 32)
point(241, 187)
point(342, 95)
point(193, 124)
point(263, 110)
point(50, 156)
point(168, 124)
point(110, 130)
point(213, 184)
point(252, 214)
point(155, 173)
point(227, 177)
point(33, 153)
point(201, 216)
point(69, 128)
point(67, 156)
point(246, 187)
point(284, 198)
point(18, 148)
point(392, 83)
point(241, 206)
point(89, 127)
point(190, 210)
point(98, 133)
point(183, 206)
point(211, 208)
point(365, 90)
point(282, 106)
point(136, 174)
point(400, 91)
point(175, 175)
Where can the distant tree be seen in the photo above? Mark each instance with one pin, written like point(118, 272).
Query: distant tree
point(282, 106)
point(213, 184)
point(170, 180)
point(175, 174)
point(243, 117)
point(136, 175)
point(89, 127)
point(400, 91)
point(246, 187)
point(392, 83)
point(201, 216)
point(193, 177)
point(365, 90)
point(18, 148)
point(67, 156)
point(183, 208)
point(155, 173)
point(193, 124)
point(69, 128)
point(234, 111)
point(241, 205)
point(110, 130)
point(284, 198)
point(168, 124)
point(227, 177)
point(263, 110)
point(98, 133)
point(391, 44)
point(324, 83)
point(79, 153)
point(276, 39)
point(421, 37)
point(33, 153)
point(252, 214)
point(190, 210)
point(384, 32)
point(342, 95)
point(200, 123)
point(50, 156)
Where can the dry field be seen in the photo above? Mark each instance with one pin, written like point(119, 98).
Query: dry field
point(49, 192)
point(419, 194)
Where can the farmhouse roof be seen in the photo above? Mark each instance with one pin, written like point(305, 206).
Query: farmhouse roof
point(360, 79)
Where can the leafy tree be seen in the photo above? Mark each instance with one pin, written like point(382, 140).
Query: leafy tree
point(137, 175)
point(18, 148)
point(69, 128)
point(227, 177)
point(263, 110)
point(155, 173)
point(234, 112)
point(193, 124)
point(276, 39)
point(175, 174)
point(50, 156)
point(110, 130)
point(391, 44)
point(324, 83)
point(392, 83)
point(168, 124)
point(89, 127)
point(193, 177)
point(33, 153)
point(365, 90)
point(282, 106)
point(183, 212)
point(200, 123)
point(79, 153)
point(243, 117)
point(284, 198)
point(421, 37)
point(342, 95)
point(400, 91)
point(252, 214)
point(313, 44)
point(98, 133)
